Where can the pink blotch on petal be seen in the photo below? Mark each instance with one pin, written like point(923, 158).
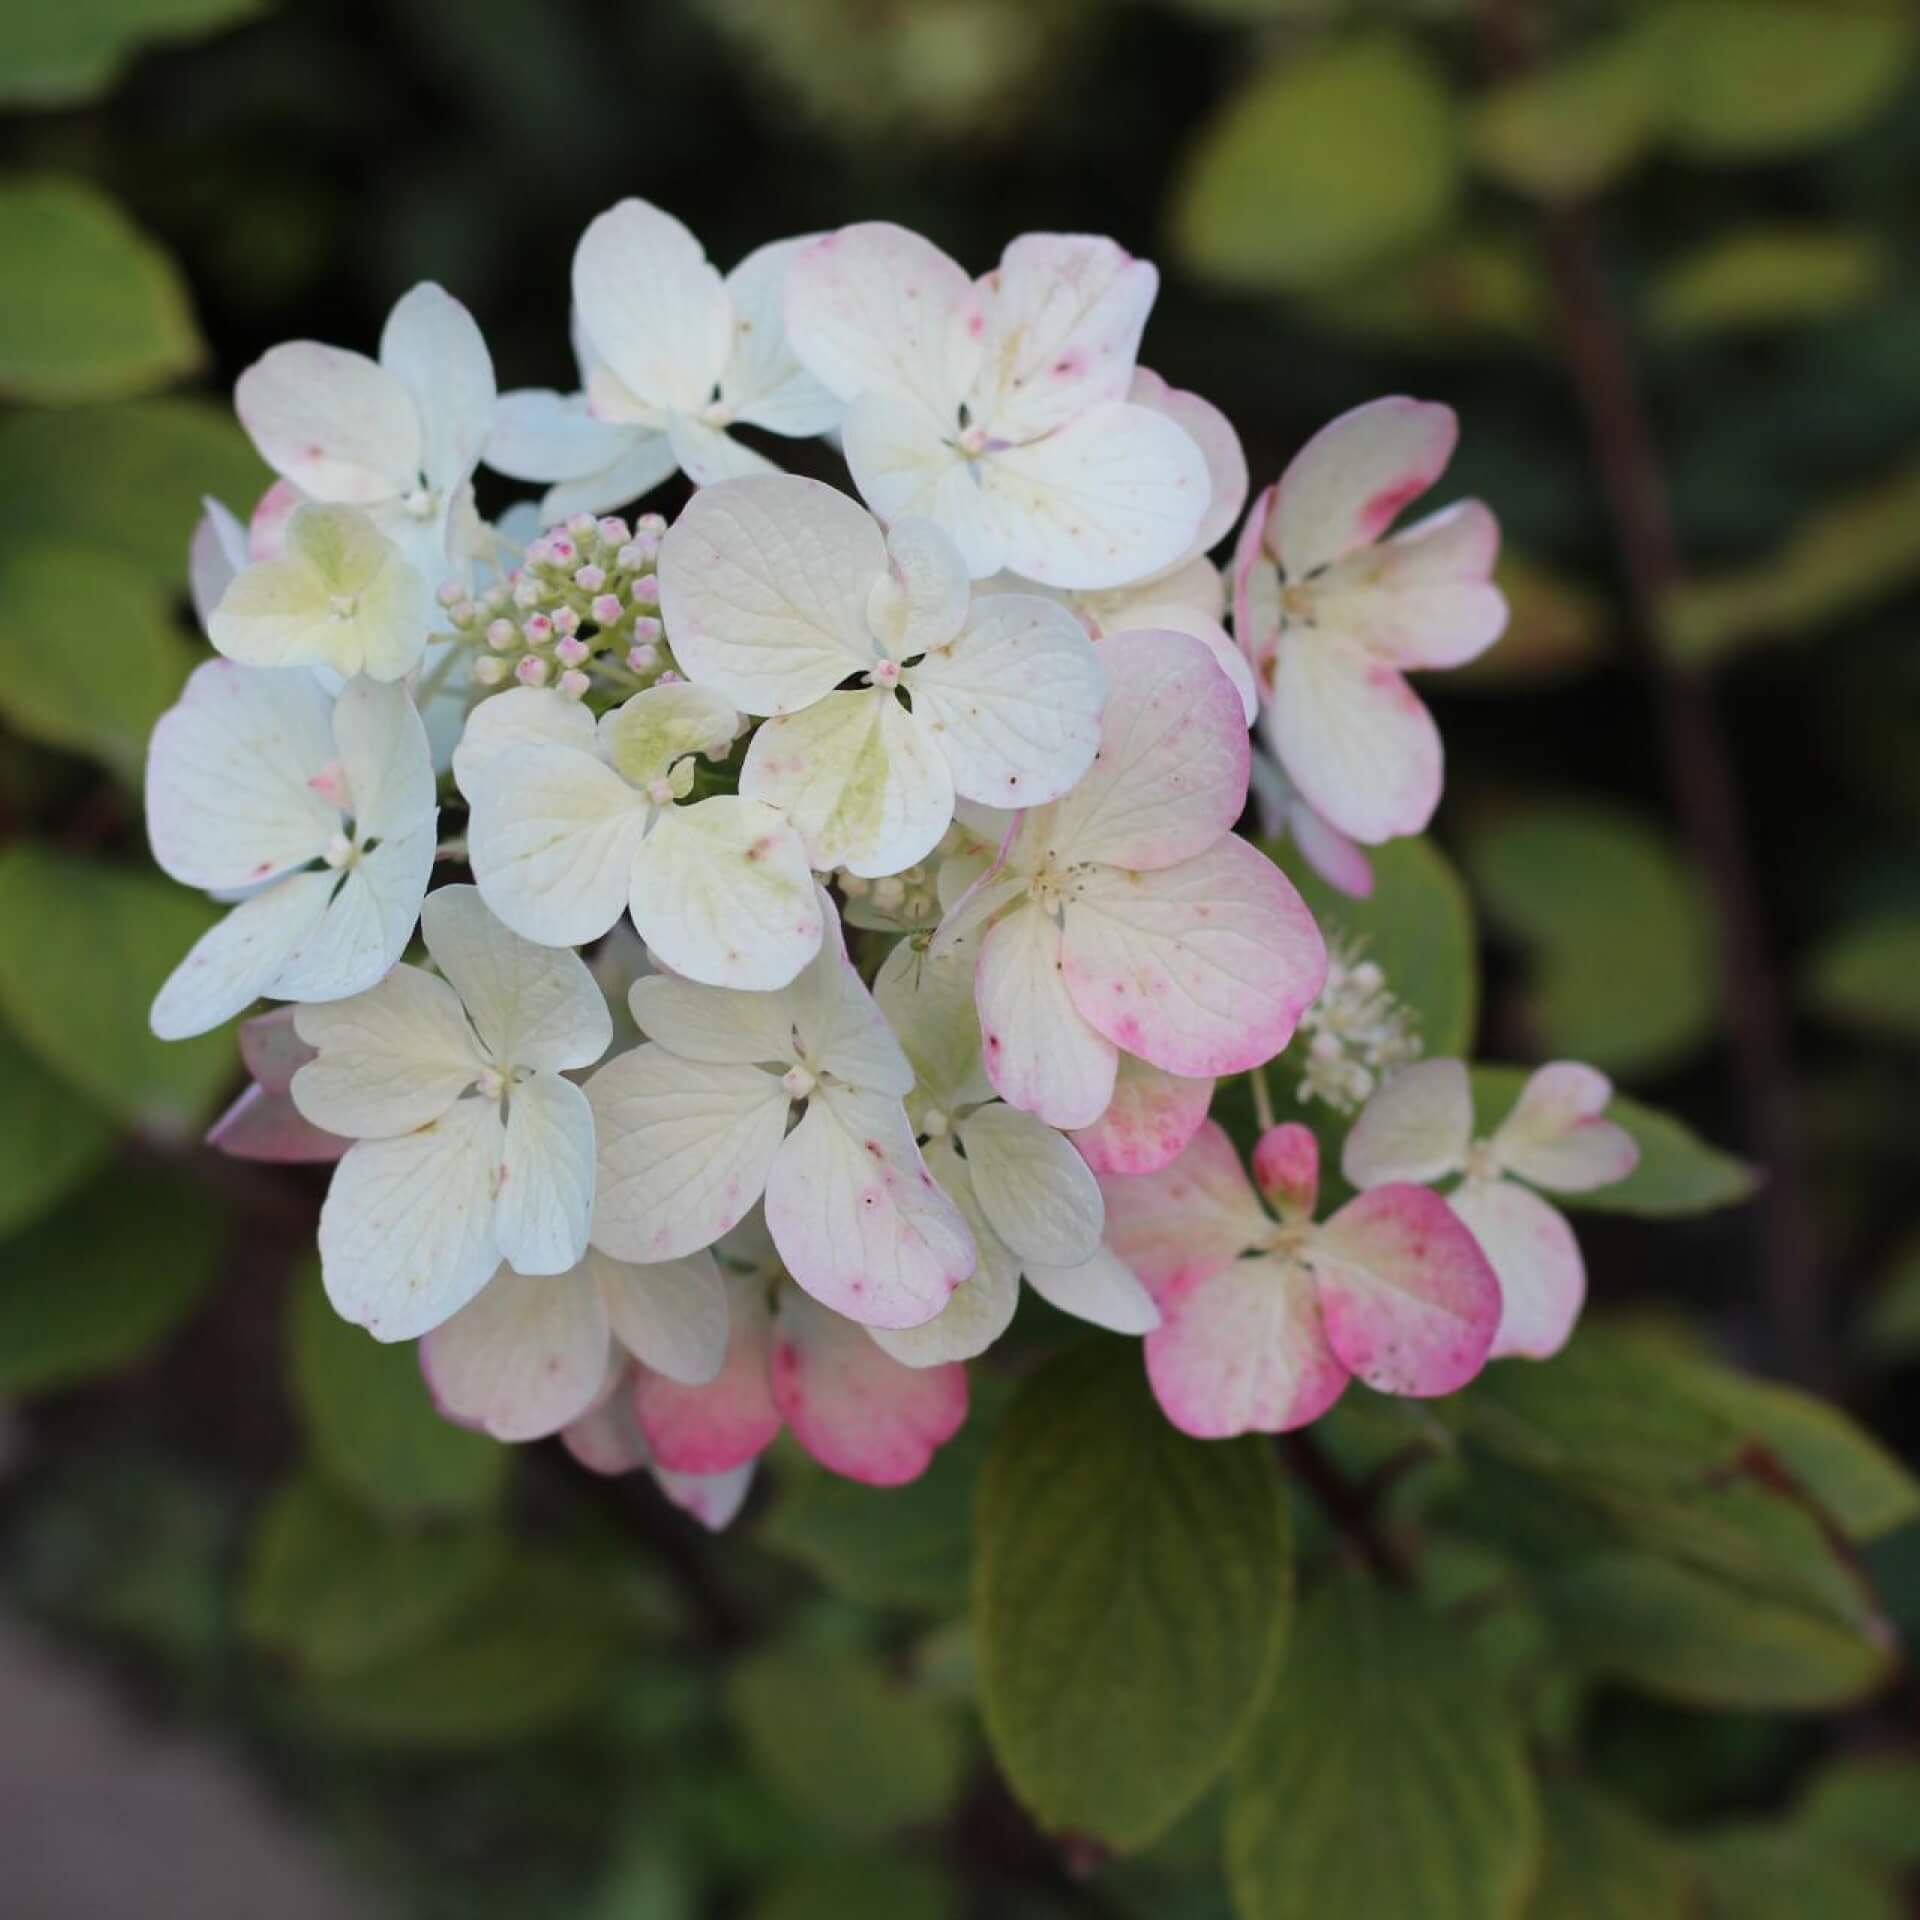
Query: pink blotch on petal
point(1149, 1122)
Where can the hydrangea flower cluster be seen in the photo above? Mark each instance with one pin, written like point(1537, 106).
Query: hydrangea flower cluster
point(841, 916)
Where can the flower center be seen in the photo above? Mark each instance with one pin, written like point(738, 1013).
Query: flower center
point(421, 503)
point(1483, 1164)
point(886, 674)
point(935, 1124)
point(798, 1082)
point(343, 606)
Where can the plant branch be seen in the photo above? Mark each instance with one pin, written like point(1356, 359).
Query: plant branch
point(1349, 1510)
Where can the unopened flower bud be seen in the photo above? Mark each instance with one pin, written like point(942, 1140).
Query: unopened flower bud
point(567, 621)
point(613, 530)
point(463, 616)
point(531, 671)
point(489, 669)
point(589, 579)
point(502, 635)
point(450, 593)
point(645, 591)
point(606, 610)
point(582, 526)
point(571, 652)
point(888, 893)
point(643, 659)
point(573, 684)
point(538, 630)
point(527, 591)
point(645, 627)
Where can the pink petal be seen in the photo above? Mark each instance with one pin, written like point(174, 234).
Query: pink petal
point(268, 1126)
point(272, 1051)
point(1191, 1217)
point(1201, 968)
point(1148, 1122)
point(857, 1410)
point(272, 516)
point(1286, 1168)
point(607, 1437)
point(1426, 597)
point(1347, 485)
point(731, 1420)
point(1242, 1350)
point(1543, 1280)
point(1409, 1301)
point(1256, 624)
point(1555, 1135)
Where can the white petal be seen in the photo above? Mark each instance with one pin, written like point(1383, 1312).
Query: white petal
point(922, 601)
point(1117, 493)
point(684, 1148)
point(1426, 597)
point(903, 460)
point(554, 836)
point(1347, 484)
point(544, 1198)
point(1212, 432)
point(217, 551)
point(713, 1024)
point(1417, 1127)
point(368, 922)
point(764, 584)
point(431, 345)
point(871, 307)
point(228, 796)
point(1101, 1290)
point(654, 309)
point(646, 736)
point(841, 1029)
point(1040, 1054)
point(859, 776)
point(1173, 616)
point(928, 1001)
point(1039, 1196)
point(1543, 1280)
point(982, 1308)
point(1555, 1135)
point(1014, 701)
point(523, 1358)
point(1171, 776)
point(607, 1437)
point(533, 1006)
point(672, 1316)
point(519, 717)
point(233, 963)
point(538, 434)
point(390, 1059)
point(764, 383)
point(647, 459)
point(708, 455)
point(385, 758)
point(406, 1233)
point(333, 422)
point(723, 894)
point(714, 1499)
point(1203, 968)
point(860, 1222)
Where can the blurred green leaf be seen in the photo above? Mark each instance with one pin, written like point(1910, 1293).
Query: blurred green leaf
point(1678, 1173)
point(1869, 976)
point(846, 1743)
point(58, 53)
point(1746, 79)
point(1466, 290)
point(130, 476)
point(1847, 554)
point(94, 1286)
point(371, 1422)
point(1575, 126)
point(1385, 1761)
point(102, 313)
point(1335, 157)
point(54, 1139)
point(1865, 1807)
point(1606, 1862)
point(1416, 926)
point(1889, 1330)
point(332, 1589)
point(859, 1887)
point(1770, 1873)
point(527, 1655)
point(1686, 1634)
point(136, 662)
point(84, 947)
point(1623, 948)
point(1131, 1598)
point(1767, 276)
point(1555, 628)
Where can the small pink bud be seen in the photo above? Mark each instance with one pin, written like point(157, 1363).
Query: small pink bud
point(646, 591)
point(561, 552)
point(581, 526)
point(567, 620)
point(571, 652)
point(630, 559)
point(538, 630)
point(463, 616)
point(450, 593)
point(613, 530)
point(606, 609)
point(526, 592)
point(887, 674)
point(650, 526)
point(1286, 1168)
point(489, 669)
point(502, 634)
point(589, 579)
point(646, 627)
point(574, 684)
point(643, 659)
point(531, 671)
point(671, 679)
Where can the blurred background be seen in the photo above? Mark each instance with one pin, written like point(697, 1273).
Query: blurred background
point(272, 1639)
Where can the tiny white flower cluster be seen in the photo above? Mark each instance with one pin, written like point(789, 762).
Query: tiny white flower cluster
point(1356, 1033)
point(986, 714)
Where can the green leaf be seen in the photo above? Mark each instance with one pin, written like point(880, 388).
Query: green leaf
point(93, 1287)
point(1767, 276)
point(136, 659)
point(102, 314)
point(1416, 926)
point(1890, 1328)
point(846, 1743)
point(1865, 1807)
point(1606, 1862)
point(1623, 968)
point(330, 1588)
point(371, 1423)
point(1461, 291)
point(1747, 79)
point(1678, 1172)
point(1577, 126)
point(1769, 1873)
point(1869, 976)
point(54, 1139)
point(84, 947)
point(1685, 1634)
point(1332, 160)
point(133, 475)
point(59, 53)
point(1386, 1761)
point(860, 1887)
point(1132, 1590)
point(528, 1655)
